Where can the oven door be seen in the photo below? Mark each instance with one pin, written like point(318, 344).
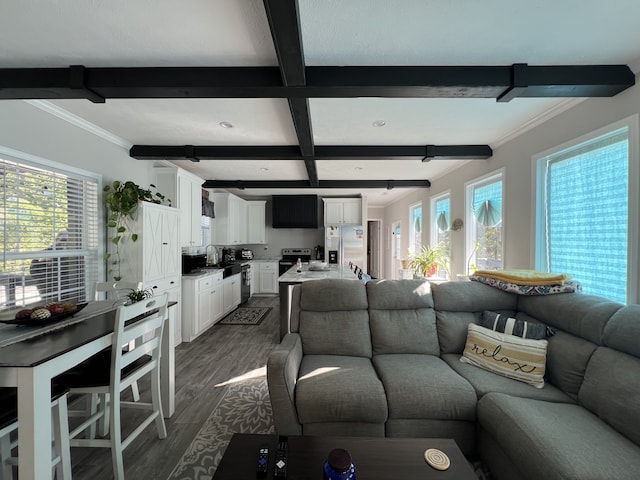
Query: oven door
point(285, 265)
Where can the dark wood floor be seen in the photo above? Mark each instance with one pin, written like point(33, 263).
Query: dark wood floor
point(202, 367)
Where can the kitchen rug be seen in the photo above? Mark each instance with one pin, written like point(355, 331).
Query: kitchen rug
point(246, 316)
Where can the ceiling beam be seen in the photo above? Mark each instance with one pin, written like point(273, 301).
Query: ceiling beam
point(321, 82)
point(284, 23)
point(388, 184)
point(322, 152)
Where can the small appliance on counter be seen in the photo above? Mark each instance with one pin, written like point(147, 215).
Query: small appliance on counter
point(244, 254)
point(228, 255)
point(191, 262)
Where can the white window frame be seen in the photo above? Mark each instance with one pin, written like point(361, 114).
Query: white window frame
point(412, 231)
point(42, 163)
point(470, 219)
point(538, 248)
point(433, 233)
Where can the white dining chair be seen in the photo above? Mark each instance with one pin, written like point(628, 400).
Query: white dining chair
point(61, 457)
point(109, 373)
point(114, 290)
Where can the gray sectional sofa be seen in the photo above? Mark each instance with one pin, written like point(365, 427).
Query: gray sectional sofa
point(380, 360)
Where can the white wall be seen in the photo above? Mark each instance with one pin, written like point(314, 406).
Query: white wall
point(515, 157)
point(28, 129)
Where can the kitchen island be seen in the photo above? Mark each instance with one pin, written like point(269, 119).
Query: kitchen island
point(291, 278)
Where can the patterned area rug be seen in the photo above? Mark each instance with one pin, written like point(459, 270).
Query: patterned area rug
point(246, 316)
point(245, 408)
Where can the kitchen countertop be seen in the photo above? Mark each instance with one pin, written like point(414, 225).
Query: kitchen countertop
point(334, 271)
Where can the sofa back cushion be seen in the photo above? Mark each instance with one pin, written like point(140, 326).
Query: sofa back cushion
point(567, 360)
point(459, 303)
point(622, 331)
point(582, 315)
point(401, 321)
point(611, 390)
point(332, 318)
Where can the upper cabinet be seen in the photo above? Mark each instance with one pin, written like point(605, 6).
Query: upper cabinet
point(256, 221)
point(185, 191)
point(342, 211)
point(230, 224)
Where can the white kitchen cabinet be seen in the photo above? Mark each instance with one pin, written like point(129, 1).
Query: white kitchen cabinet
point(230, 225)
point(202, 304)
point(256, 221)
point(185, 191)
point(154, 258)
point(267, 277)
point(342, 211)
point(231, 293)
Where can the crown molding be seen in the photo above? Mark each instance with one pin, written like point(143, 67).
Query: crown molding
point(79, 122)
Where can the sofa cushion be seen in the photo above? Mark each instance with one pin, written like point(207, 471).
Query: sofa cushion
point(611, 390)
point(400, 320)
point(582, 315)
point(507, 355)
point(335, 333)
point(485, 382)
point(567, 359)
point(557, 441)
point(334, 388)
point(623, 330)
point(424, 387)
point(459, 303)
point(512, 326)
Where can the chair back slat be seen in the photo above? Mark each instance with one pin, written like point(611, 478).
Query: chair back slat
point(146, 331)
point(116, 290)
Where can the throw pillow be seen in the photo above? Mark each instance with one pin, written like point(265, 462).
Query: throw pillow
point(507, 355)
point(513, 326)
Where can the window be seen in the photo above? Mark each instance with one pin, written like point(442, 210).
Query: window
point(484, 232)
point(441, 224)
point(415, 228)
point(583, 223)
point(49, 232)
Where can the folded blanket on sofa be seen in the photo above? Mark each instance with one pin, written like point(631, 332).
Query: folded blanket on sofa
point(524, 277)
point(569, 286)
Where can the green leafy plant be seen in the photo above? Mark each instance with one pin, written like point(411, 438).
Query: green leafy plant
point(429, 260)
point(135, 296)
point(122, 200)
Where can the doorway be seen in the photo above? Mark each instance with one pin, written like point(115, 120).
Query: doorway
point(374, 252)
point(396, 254)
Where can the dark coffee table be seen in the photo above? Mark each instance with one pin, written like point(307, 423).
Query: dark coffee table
point(374, 458)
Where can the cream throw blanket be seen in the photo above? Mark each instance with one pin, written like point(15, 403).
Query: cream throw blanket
point(525, 277)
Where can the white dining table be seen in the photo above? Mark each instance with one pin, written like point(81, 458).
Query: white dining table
point(31, 363)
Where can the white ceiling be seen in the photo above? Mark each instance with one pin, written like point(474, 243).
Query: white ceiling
point(145, 33)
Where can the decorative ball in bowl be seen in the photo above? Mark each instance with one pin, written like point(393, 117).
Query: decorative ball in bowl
point(318, 265)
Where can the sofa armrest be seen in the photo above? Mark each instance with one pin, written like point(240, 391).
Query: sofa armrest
point(282, 373)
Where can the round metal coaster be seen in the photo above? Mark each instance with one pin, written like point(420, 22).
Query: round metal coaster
point(437, 459)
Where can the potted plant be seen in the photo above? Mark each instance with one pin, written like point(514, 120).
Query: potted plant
point(429, 260)
point(122, 199)
point(136, 295)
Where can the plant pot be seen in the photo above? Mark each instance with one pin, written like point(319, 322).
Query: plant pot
point(406, 264)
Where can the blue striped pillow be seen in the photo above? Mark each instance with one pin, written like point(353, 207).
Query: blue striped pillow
point(513, 326)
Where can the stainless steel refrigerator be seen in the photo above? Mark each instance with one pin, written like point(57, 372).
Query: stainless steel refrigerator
point(347, 243)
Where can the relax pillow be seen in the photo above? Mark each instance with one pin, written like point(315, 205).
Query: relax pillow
point(507, 355)
point(512, 326)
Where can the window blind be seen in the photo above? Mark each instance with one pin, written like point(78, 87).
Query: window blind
point(49, 232)
point(587, 214)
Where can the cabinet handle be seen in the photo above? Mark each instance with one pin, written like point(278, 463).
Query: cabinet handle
point(172, 282)
point(165, 243)
point(155, 286)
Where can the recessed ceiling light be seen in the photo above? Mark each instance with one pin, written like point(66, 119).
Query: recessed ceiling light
point(379, 123)
point(226, 125)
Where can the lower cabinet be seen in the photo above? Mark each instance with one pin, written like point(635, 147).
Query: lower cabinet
point(267, 273)
point(202, 304)
point(231, 293)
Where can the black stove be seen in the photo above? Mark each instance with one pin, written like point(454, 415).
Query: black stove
point(291, 255)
